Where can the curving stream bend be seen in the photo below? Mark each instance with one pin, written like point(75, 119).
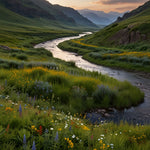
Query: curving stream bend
point(139, 114)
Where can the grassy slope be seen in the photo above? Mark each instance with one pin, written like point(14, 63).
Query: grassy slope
point(140, 22)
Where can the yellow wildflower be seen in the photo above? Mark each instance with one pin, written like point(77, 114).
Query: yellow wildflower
point(85, 128)
point(33, 127)
point(100, 141)
point(59, 129)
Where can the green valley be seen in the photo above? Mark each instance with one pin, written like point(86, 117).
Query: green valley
point(123, 44)
point(45, 101)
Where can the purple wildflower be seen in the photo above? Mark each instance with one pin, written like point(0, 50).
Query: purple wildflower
point(24, 142)
point(70, 128)
point(20, 110)
point(24, 139)
point(33, 146)
point(56, 138)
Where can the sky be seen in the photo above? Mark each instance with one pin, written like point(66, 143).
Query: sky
point(101, 5)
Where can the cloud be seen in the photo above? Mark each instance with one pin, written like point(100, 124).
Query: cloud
point(109, 2)
point(123, 9)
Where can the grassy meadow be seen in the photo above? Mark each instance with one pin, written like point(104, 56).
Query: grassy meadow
point(43, 100)
point(133, 57)
point(31, 124)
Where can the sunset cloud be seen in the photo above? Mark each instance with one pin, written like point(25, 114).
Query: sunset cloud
point(120, 1)
point(101, 5)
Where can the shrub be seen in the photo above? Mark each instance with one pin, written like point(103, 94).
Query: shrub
point(72, 63)
point(103, 93)
point(89, 84)
point(22, 57)
point(40, 89)
point(62, 95)
point(57, 79)
point(78, 92)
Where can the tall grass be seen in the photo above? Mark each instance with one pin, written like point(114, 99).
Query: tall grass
point(67, 89)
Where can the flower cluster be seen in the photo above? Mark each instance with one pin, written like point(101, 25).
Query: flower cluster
point(71, 145)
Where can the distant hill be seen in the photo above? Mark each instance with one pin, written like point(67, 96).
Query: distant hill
point(79, 19)
point(100, 17)
point(37, 10)
point(131, 28)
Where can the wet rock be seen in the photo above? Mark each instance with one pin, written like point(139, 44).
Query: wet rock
point(102, 111)
point(107, 115)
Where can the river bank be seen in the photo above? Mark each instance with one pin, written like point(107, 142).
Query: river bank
point(141, 112)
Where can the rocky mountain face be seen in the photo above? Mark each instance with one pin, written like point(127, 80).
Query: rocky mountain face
point(126, 36)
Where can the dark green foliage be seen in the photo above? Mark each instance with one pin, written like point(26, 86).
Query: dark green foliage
point(22, 57)
point(103, 94)
point(40, 89)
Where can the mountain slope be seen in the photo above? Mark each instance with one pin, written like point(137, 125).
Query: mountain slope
point(100, 17)
point(136, 28)
point(79, 19)
point(40, 10)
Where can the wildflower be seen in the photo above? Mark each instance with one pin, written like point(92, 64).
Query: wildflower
point(100, 141)
point(20, 110)
point(71, 145)
point(70, 128)
point(24, 139)
point(66, 126)
point(56, 137)
point(8, 109)
point(59, 129)
point(33, 127)
point(73, 136)
point(40, 130)
point(51, 129)
point(33, 146)
point(85, 128)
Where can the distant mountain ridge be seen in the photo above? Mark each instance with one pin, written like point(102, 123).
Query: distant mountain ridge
point(70, 12)
point(100, 17)
point(37, 9)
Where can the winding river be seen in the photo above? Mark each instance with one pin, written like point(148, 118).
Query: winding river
point(137, 115)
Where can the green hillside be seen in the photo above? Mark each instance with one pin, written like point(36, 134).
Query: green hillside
point(41, 9)
point(134, 29)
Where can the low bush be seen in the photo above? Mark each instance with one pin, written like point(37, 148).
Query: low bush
point(103, 94)
point(22, 57)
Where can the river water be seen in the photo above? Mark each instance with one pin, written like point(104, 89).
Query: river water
point(137, 115)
